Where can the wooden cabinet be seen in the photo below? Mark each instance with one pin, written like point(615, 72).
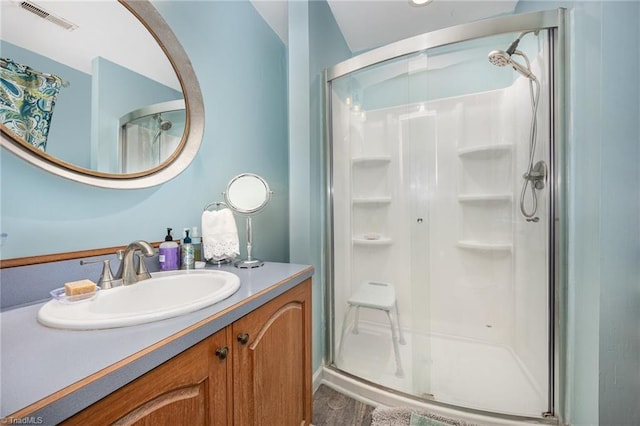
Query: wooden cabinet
point(264, 379)
point(272, 362)
point(188, 389)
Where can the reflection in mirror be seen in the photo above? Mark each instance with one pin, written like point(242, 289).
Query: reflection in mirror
point(104, 72)
point(248, 194)
point(28, 98)
point(149, 135)
point(110, 67)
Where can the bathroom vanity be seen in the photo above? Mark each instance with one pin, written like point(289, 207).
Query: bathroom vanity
point(245, 360)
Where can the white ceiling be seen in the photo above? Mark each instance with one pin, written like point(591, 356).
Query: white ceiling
point(366, 24)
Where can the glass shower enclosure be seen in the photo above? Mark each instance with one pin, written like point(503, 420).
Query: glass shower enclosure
point(150, 135)
point(441, 176)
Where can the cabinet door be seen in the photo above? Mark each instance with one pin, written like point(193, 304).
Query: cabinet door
point(188, 389)
point(272, 362)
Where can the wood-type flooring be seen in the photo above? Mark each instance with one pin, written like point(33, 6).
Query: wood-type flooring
point(331, 408)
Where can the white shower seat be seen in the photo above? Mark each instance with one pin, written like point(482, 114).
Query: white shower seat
point(381, 296)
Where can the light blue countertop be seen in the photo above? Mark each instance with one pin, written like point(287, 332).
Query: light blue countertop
point(37, 361)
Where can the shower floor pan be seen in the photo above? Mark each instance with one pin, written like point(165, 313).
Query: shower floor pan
point(464, 372)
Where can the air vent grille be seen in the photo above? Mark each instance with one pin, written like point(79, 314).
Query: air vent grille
point(39, 11)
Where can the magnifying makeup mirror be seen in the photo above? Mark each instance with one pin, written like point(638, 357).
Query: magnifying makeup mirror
point(247, 194)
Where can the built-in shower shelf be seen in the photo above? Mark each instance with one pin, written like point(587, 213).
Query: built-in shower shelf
point(481, 198)
point(485, 151)
point(371, 201)
point(484, 246)
point(362, 241)
point(371, 161)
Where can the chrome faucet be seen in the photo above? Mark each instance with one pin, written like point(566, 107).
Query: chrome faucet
point(127, 271)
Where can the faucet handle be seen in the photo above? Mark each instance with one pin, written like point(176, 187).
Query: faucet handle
point(106, 279)
point(141, 271)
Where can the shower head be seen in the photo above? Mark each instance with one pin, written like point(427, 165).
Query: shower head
point(165, 125)
point(501, 58)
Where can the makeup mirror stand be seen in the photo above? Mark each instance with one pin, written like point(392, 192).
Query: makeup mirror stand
point(249, 262)
point(247, 194)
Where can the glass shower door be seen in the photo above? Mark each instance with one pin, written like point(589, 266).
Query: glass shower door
point(373, 254)
point(376, 255)
point(428, 156)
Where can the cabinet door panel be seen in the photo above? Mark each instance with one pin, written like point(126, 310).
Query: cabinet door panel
point(272, 371)
point(183, 390)
point(171, 408)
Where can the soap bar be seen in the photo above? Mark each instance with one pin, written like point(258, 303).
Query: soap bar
point(79, 287)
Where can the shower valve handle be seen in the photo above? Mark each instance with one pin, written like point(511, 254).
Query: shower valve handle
point(537, 175)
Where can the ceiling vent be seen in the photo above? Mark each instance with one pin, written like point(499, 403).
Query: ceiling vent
point(37, 10)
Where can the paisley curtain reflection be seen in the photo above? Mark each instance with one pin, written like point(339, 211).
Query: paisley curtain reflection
point(27, 100)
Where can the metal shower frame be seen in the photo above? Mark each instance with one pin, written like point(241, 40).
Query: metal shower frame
point(555, 22)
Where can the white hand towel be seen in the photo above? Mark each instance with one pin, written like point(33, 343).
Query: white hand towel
point(219, 235)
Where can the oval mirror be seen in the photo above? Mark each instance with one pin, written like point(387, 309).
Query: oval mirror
point(247, 193)
point(90, 65)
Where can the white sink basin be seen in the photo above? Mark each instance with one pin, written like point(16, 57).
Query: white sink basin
point(164, 295)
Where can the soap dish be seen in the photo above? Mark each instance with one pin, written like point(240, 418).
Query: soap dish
point(58, 294)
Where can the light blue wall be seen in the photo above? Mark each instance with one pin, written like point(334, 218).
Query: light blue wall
point(620, 216)
point(603, 343)
point(70, 128)
point(118, 91)
point(299, 134)
point(241, 67)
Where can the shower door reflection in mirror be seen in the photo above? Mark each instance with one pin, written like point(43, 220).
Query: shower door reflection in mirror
point(150, 135)
point(441, 224)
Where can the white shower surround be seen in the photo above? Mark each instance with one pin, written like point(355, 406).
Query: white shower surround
point(486, 267)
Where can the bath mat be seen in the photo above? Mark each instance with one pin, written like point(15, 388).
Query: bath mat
point(405, 416)
point(418, 420)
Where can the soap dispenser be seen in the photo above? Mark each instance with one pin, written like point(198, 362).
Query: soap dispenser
point(188, 252)
point(168, 255)
point(196, 240)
